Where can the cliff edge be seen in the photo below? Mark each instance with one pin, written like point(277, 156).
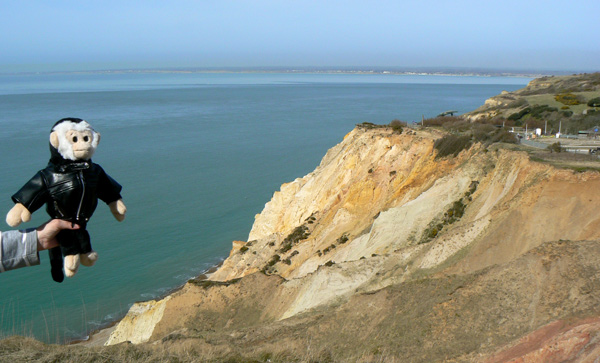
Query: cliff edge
point(388, 251)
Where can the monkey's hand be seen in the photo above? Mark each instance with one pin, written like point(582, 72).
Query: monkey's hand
point(118, 209)
point(18, 214)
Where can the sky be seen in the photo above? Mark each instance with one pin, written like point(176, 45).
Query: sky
point(115, 34)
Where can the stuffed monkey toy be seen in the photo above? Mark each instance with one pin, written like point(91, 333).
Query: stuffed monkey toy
point(70, 186)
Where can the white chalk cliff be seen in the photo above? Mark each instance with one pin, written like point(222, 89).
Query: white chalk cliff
point(379, 211)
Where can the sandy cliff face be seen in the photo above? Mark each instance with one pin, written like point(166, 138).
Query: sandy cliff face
point(378, 215)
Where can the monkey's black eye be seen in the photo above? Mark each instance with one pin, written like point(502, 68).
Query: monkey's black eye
point(86, 139)
point(74, 138)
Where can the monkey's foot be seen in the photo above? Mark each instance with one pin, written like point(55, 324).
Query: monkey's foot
point(89, 259)
point(71, 265)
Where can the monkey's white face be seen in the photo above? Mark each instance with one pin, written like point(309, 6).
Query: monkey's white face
point(81, 143)
point(75, 141)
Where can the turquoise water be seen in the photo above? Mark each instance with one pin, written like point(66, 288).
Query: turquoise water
point(198, 156)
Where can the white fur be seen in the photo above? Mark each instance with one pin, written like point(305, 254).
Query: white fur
point(64, 146)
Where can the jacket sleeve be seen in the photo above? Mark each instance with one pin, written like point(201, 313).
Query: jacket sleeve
point(33, 194)
point(108, 188)
point(18, 249)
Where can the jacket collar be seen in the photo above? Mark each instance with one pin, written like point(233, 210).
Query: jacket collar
point(74, 166)
point(63, 165)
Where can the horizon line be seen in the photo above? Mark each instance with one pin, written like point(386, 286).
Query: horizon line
point(391, 70)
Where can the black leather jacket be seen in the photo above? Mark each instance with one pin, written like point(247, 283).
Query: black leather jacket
point(70, 189)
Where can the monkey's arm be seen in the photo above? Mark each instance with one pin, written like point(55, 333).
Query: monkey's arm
point(118, 209)
point(109, 191)
point(18, 214)
point(27, 200)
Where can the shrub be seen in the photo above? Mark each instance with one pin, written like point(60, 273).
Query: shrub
point(567, 113)
point(432, 233)
point(273, 260)
point(370, 126)
point(330, 248)
point(555, 147)
point(397, 126)
point(451, 145)
point(482, 132)
point(536, 111)
point(505, 136)
point(568, 99)
point(519, 115)
point(594, 102)
point(298, 234)
point(441, 120)
point(343, 239)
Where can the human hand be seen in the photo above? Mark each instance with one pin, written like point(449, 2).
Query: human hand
point(47, 232)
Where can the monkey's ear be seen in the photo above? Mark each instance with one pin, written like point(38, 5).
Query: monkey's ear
point(54, 139)
point(98, 137)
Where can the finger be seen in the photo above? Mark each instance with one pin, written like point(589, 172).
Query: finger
point(62, 224)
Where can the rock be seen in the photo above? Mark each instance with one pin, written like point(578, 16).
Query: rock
point(137, 326)
point(386, 242)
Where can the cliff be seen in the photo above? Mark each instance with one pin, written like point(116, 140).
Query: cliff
point(565, 103)
point(388, 252)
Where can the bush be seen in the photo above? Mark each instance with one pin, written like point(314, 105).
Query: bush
point(505, 136)
point(568, 99)
point(451, 145)
point(343, 239)
point(368, 126)
point(442, 120)
point(537, 111)
point(298, 234)
point(594, 102)
point(482, 132)
point(274, 260)
point(567, 113)
point(397, 126)
point(555, 147)
point(519, 115)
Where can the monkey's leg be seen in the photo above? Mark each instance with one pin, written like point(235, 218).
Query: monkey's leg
point(69, 244)
point(87, 255)
point(56, 264)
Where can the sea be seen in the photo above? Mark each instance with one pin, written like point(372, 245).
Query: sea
point(198, 156)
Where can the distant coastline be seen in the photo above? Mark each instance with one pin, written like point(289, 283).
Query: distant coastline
point(466, 72)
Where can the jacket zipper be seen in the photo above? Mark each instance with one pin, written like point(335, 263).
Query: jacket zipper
point(80, 177)
point(60, 213)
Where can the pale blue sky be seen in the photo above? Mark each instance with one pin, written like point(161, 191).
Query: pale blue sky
point(511, 34)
